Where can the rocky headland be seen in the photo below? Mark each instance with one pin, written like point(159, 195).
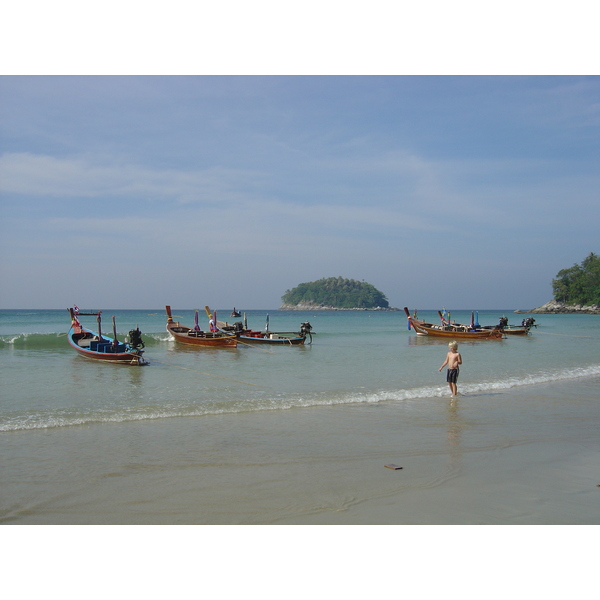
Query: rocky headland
point(555, 307)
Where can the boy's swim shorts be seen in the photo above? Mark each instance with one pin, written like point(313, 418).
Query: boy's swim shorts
point(452, 375)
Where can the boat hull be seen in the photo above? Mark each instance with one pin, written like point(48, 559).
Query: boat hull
point(460, 332)
point(129, 356)
point(192, 337)
point(423, 328)
point(278, 341)
point(186, 335)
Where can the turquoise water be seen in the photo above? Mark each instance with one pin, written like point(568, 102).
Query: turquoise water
point(356, 357)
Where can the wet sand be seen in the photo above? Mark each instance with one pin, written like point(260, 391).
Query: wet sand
point(524, 456)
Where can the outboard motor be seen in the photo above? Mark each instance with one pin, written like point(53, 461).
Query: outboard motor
point(238, 327)
point(503, 322)
point(135, 339)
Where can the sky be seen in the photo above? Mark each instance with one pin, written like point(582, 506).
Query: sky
point(136, 191)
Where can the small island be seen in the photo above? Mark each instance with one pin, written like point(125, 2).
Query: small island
point(335, 293)
point(576, 289)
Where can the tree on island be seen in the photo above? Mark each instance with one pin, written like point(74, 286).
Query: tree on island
point(337, 293)
point(579, 284)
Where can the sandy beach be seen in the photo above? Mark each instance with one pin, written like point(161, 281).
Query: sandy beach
point(516, 457)
point(322, 468)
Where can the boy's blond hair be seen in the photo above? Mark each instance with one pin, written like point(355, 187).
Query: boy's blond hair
point(453, 345)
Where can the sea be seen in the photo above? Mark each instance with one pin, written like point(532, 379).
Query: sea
point(279, 435)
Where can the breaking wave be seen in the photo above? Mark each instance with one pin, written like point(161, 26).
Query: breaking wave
point(43, 341)
point(73, 417)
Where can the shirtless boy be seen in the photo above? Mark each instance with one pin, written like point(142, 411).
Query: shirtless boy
point(453, 359)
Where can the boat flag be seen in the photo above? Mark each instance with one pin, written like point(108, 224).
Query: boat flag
point(76, 309)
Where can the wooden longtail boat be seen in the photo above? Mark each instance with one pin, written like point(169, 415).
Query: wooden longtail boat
point(93, 344)
point(453, 331)
point(502, 325)
point(281, 338)
point(273, 338)
point(196, 337)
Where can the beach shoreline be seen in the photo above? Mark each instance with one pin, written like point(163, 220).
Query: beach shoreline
point(509, 457)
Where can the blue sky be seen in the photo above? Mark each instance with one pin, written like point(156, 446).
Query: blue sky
point(132, 191)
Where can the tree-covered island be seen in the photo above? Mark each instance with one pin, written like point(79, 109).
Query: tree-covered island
point(335, 293)
point(576, 289)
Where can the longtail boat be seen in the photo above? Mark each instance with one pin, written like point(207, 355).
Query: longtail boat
point(194, 336)
point(450, 330)
point(526, 325)
point(503, 325)
point(246, 335)
point(92, 344)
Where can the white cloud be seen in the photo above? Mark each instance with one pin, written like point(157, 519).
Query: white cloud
point(41, 175)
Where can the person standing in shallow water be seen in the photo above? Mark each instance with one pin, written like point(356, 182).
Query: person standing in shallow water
point(453, 359)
